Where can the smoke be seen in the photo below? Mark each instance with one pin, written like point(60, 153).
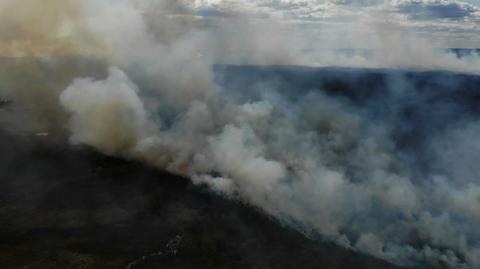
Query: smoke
point(105, 114)
point(40, 28)
point(40, 44)
point(332, 155)
point(387, 45)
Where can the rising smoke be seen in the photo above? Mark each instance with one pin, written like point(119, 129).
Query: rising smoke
point(322, 163)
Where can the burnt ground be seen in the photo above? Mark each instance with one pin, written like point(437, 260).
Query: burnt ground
point(66, 207)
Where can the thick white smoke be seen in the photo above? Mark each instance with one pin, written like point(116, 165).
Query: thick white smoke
point(106, 114)
point(317, 164)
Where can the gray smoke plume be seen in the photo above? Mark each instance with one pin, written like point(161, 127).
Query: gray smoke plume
point(319, 163)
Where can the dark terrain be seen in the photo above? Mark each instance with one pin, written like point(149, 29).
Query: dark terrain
point(73, 208)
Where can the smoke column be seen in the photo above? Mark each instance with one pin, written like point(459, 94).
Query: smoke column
point(328, 164)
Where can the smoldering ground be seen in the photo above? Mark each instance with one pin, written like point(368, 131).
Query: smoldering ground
point(380, 161)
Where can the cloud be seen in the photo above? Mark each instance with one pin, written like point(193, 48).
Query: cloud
point(451, 23)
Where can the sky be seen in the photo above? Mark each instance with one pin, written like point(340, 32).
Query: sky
point(34, 27)
point(445, 23)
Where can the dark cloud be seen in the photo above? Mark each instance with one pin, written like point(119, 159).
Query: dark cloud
point(357, 2)
point(209, 12)
point(423, 10)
